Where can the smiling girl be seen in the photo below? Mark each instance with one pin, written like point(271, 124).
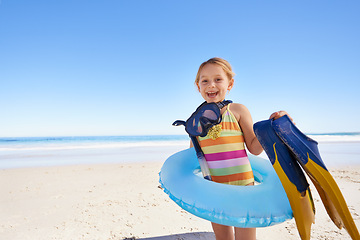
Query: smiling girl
point(229, 162)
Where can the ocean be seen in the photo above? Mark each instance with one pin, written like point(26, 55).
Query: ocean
point(51, 151)
point(337, 149)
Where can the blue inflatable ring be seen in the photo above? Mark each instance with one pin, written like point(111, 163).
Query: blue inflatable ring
point(262, 205)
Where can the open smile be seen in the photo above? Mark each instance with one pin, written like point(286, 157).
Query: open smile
point(212, 94)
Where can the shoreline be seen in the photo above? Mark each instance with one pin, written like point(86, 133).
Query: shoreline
point(332, 153)
point(119, 201)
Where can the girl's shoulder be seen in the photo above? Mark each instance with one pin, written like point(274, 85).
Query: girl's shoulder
point(239, 110)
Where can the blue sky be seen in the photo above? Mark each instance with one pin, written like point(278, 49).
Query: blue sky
point(128, 67)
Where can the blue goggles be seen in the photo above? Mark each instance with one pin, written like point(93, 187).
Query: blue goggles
point(205, 117)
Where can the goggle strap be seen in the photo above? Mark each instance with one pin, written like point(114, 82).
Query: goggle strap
point(223, 103)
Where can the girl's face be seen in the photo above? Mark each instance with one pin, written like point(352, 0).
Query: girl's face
point(213, 83)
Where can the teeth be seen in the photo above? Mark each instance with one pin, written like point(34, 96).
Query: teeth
point(212, 94)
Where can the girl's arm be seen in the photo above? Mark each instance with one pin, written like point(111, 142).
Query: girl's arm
point(243, 116)
point(246, 124)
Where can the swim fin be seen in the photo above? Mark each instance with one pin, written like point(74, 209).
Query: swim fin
point(290, 175)
point(307, 154)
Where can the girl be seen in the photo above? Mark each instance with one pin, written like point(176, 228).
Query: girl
point(213, 80)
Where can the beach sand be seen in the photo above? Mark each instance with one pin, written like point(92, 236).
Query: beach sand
point(125, 201)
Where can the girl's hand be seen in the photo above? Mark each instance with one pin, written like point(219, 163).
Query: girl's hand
point(279, 114)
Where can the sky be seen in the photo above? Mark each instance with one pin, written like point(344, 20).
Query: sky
point(112, 67)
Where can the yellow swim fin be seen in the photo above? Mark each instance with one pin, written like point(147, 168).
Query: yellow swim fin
point(301, 202)
point(332, 198)
point(291, 177)
point(307, 154)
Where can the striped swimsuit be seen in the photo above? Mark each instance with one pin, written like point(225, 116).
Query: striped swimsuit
point(226, 155)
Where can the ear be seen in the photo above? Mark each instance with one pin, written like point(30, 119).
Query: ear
point(198, 87)
point(231, 84)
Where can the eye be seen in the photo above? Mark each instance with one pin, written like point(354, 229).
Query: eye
point(218, 79)
point(204, 81)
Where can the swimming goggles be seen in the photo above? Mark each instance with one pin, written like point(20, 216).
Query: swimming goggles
point(205, 117)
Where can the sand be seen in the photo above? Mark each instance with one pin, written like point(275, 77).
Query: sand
point(124, 201)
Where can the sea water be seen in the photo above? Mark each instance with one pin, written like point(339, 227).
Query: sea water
point(51, 151)
point(336, 149)
point(339, 149)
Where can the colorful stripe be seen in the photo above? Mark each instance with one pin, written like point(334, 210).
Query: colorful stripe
point(222, 140)
point(224, 133)
point(233, 177)
point(228, 163)
point(242, 182)
point(225, 155)
point(229, 125)
point(223, 148)
point(230, 170)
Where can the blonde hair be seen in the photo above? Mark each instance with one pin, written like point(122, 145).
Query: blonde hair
point(225, 65)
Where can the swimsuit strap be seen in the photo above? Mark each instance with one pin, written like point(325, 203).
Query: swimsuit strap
point(228, 107)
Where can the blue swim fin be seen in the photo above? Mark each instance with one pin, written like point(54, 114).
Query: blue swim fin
point(307, 155)
point(291, 177)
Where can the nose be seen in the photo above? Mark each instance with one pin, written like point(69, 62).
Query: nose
point(212, 84)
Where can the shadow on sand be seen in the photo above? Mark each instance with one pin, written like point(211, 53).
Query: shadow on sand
point(185, 236)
